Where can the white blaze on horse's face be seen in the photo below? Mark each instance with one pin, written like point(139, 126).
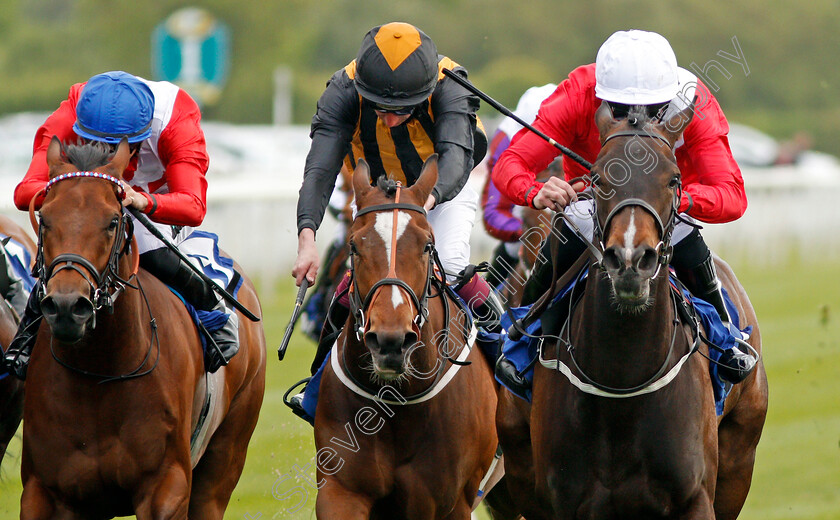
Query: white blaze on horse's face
point(384, 226)
point(396, 297)
point(630, 238)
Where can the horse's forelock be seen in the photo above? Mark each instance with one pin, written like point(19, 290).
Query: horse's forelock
point(637, 116)
point(387, 186)
point(88, 156)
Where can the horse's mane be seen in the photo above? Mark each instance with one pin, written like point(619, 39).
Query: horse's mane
point(88, 156)
point(388, 186)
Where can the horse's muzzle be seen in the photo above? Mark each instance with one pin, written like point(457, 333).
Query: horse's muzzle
point(67, 315)
point(388, 350)
point(630, 272)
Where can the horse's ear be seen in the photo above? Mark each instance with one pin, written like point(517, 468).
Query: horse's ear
point(361, 179)
point(427, 180)
point(604, 119)
point(673, 127)
point(55, 156)
point(120, 161)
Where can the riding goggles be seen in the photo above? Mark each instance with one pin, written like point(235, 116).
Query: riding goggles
point(396, 110)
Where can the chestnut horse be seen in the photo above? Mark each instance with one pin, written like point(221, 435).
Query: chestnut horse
point(11, 388)
point(403, 429)
point(116, 383)
point(628, 429)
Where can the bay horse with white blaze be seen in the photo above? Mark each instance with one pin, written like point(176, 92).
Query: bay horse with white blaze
point(116, 383)
point(622, 421)
point(403, 429)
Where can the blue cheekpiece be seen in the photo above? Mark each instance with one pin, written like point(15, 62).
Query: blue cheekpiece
point(114, 105)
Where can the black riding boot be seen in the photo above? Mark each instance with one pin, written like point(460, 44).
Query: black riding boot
point(696, 268)
point(171, 270)
point(501, 265)
point(16, 358)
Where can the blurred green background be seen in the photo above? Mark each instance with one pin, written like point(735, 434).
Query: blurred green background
point(790, 49)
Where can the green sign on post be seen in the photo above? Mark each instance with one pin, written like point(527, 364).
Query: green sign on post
point(190, 49)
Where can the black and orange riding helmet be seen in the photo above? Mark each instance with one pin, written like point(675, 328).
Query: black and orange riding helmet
point(397, 65)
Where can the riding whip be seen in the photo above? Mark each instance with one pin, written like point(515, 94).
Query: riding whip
point(143, 219)
point(504, 110)
point(281, 350)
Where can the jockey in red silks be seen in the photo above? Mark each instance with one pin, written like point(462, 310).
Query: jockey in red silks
point(165, 180)
point(633, 68)
point(499, 212)
point(394, 107)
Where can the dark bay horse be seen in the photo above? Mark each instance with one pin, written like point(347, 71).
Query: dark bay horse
point(628, 429)
point(536, 225)
point(403, 429)
point(11, 388)
point(116, 381)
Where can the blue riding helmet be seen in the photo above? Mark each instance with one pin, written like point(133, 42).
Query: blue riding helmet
point(114, 105)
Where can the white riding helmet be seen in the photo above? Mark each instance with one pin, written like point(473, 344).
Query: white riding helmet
point(527, 108)
point(636, 68)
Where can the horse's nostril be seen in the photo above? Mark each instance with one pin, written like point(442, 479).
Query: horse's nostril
point(83, 308)
point(410, 340)
point(612, 260)
point(385, 342)
point(48, 306)
point(647, 260)
point(76, 308)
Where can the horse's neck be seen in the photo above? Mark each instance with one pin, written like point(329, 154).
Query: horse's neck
point(604, 332)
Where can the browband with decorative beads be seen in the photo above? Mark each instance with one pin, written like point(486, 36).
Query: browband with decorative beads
point(95, 175)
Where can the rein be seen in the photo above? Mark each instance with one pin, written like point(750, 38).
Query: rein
point(663, 248)
point(359, 307)
point(105, 286)
point(596, 248)
point(658, 380)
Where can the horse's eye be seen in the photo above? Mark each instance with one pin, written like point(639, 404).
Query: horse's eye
point(114, 223)
point(674, 181)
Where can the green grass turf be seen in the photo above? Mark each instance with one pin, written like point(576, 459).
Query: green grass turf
point(797, 473)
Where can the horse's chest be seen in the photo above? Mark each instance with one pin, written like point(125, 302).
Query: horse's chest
point(620, 467)
point(95, 446)
point(93, 473)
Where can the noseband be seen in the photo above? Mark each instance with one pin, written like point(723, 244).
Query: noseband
point(359, 306)
point(104, 286)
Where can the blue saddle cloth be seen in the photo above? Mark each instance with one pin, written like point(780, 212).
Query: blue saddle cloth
point(210, 320)
point(19, 258)
point(218, 268)
point(524, 350)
